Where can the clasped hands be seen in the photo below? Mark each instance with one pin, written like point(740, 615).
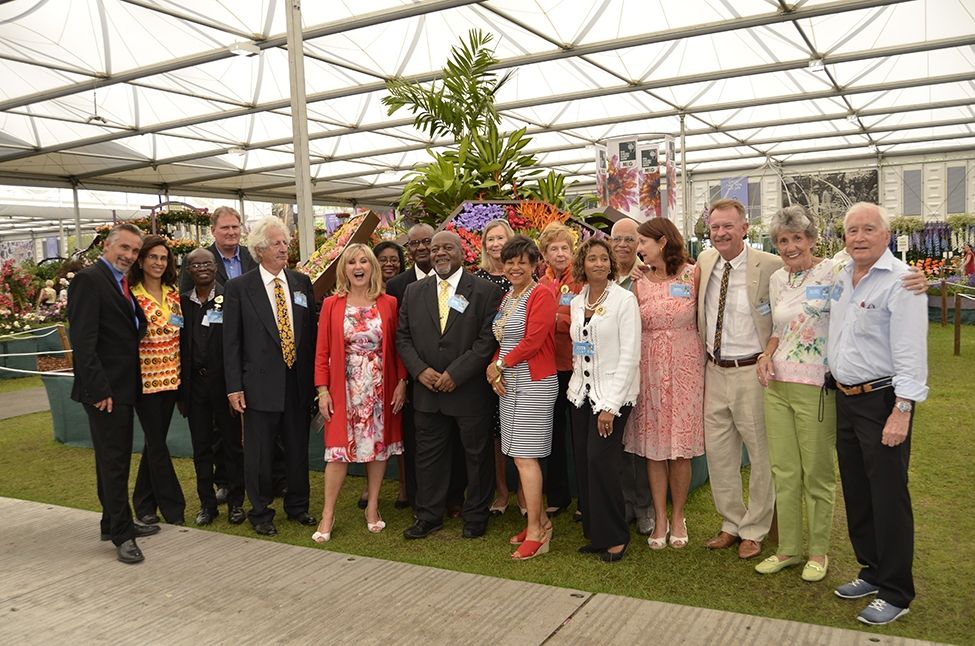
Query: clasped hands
point(496, 378)
point(440, 382)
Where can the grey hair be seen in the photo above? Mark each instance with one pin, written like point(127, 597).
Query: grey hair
point(792, 219)
point(257, 240)
point(879, 210)
point(123, 226)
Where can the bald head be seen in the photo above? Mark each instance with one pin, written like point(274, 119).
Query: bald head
point(446, 253)
point(624, 239)
point(202, 268)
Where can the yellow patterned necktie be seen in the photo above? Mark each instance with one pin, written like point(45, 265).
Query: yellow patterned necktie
point(722, 297)
point(443, 306)
point(284, 325)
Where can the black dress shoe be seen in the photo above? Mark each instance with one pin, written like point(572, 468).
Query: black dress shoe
point(129, 552)
point(236, 516)
point(304, 518)
point(222, 493)
point(266, 529)
point(577, 516)
point(590, 549)
point(609, 557)
point(179, 522)
point(363, 503)
point(401, 504)
point(474, 530)
point(206, 517)
point(140, 531)
point(421, 529)
point(148, 519)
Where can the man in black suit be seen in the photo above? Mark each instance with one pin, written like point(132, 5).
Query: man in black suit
point(105, 325)
point(445, 340)
point(269, 353)
point(203, 396)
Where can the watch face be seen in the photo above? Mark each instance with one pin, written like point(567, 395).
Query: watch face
point(904, 407)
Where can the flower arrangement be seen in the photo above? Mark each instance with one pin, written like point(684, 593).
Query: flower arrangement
point(324, 256)
point(470, 242)
point(16, 297)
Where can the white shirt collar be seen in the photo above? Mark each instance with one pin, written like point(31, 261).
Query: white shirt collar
point(419, 272)
point(453, 279)
point(267, 277)
point(737, 261)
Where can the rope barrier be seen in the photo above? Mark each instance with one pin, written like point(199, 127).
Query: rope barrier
point(29, 334)
point(37, 372)
point(33, 354)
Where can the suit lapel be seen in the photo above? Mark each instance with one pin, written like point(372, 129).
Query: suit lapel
point(464, 288)
point(124, 305)
point(259, 301)
point(429, 297)
point(221, 266)
point(752, 274)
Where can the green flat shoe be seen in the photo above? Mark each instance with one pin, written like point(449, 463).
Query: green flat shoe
point(814, 572)
point(772, 564)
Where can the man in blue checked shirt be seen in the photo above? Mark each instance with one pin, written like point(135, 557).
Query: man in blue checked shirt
point(878, 336)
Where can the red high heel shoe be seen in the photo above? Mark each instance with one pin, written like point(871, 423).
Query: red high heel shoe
point(531, 549)
point(520, 537)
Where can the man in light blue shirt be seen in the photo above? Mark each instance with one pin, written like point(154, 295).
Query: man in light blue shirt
point(877, 353)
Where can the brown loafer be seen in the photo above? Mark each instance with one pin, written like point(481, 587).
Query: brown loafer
point(749, 549)
point(722, 541)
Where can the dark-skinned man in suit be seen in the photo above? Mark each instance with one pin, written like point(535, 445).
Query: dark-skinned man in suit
point(105, 325)
point(445, 340)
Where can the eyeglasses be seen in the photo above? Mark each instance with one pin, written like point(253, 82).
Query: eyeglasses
point(623, 240)
point(392, 260)
point(201, 265)
point(425, 242)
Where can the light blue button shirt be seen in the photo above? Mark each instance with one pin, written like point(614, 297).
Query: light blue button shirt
point(879, 329)
point(232, 264)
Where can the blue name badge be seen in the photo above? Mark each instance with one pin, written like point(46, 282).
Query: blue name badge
point(837, 291)
point(764, 308)
point(582, 348)
point(458, 303)
point(566, 299)
point(817, 292)
point(176, 320)
point(214, 316)
point(301, 300)
point(680, 290)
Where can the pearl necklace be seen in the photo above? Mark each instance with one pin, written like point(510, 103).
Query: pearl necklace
point(599, 301)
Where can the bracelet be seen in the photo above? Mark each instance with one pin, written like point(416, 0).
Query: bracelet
point(762, 356)
point(499, 364)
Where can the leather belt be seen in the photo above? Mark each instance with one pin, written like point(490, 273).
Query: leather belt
point(735, 363)
point(866, 387)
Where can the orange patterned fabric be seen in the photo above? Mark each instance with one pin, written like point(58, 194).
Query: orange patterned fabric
point(159, 348)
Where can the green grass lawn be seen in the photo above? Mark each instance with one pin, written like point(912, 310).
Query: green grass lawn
point(34, 467)
point(13, 385)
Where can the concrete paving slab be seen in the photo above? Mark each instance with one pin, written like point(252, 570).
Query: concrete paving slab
point(23, 402)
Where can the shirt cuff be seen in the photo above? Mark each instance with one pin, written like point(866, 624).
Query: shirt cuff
point(907, 388)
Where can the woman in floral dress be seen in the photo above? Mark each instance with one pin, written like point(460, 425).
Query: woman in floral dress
point(361, 382)
point(667, 424)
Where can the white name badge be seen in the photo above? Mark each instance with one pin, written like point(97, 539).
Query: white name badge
point(680, 290)
point(458, 303)
point(837, 291)
point(214, 316)
point(817, 292)
point(300, 299)
point(764, 308)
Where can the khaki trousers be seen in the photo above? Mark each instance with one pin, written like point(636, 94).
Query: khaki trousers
point(734, 415)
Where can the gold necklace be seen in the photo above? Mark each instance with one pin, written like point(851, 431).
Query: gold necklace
point(508, 307)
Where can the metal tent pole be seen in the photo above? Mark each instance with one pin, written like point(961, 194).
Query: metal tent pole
point(299, 126)
point(77, 218)
point(686, 210)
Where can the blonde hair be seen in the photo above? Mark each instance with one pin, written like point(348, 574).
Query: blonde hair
point(342, 278)
point(485, 264)
point(554, 232)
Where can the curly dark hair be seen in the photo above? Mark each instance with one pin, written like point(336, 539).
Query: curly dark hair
point(169, 276)
point(519, 246)
point(388, 244)
point(579, 262)
point(674, 254)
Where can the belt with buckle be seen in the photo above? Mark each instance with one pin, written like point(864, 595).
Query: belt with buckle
point(866, 387)
point(735, 363)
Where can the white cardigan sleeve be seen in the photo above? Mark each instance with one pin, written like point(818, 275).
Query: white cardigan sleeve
point(626, 375)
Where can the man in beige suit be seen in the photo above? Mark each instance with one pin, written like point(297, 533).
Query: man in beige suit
point(734, 318)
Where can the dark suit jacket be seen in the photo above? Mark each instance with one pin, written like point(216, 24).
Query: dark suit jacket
point(252, 348)
point(463, 350)
point(247, 263)
point(193, 314)
point(396, 287)
point(104, 338)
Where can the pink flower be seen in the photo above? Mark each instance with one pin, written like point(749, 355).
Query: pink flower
point(808, 335)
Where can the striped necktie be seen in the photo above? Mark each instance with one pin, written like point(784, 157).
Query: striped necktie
point(722, 297)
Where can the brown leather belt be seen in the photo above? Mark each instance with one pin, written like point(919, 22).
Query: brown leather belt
point(866, 387)
point(735, 363)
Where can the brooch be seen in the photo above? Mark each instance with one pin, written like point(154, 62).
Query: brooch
point(218, 302)
point(600, 310)
point(564, 289)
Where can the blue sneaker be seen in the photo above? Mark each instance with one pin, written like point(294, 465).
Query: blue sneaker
point(880, 613)
point(855, 589)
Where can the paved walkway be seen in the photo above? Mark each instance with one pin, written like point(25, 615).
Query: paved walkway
point(23, 402)
point(59, 584)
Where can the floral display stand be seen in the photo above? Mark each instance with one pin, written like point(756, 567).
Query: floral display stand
point(321, 265)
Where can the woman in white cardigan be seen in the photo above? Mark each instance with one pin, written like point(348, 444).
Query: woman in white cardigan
point(605, 333)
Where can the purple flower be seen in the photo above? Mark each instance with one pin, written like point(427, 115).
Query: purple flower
point(474, 215)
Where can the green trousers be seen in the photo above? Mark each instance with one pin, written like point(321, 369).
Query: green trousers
point(802, 453)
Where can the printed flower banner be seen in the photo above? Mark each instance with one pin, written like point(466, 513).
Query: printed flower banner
point(633, 173)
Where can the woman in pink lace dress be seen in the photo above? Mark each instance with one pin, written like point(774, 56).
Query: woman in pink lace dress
point(667, 424)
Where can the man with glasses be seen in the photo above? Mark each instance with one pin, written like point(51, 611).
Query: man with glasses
point(636, 489)
point(203, 398)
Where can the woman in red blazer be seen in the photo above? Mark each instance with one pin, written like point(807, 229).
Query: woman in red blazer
point(523, 376)
point(361, 382)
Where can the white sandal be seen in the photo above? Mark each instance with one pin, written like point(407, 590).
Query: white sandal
point(679, 542)
point(659, 543)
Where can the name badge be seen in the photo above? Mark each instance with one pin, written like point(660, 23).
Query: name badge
point(214, 316)
point(680, 290)
point(206, 321)
point(817, 292)
point(176, 320)
point(764, 308)
point(301, 300)
point(837, 291)
point(566, 299)
point(582, 348)
point(458, 303)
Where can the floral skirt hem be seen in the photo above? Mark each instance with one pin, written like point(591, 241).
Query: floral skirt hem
point(341, 454)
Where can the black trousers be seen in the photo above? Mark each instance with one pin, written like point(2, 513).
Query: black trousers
point(409, 451)
point(111, 436)
point(878, 503)
point(556, 483)
point(435, 435)
point(599, 464)
point(156, 484)
point(209, 417)
point(260, 430)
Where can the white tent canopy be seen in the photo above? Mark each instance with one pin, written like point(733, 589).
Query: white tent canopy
point(149, 96)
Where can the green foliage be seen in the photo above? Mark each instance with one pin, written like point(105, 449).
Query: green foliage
point(906, 224)
point(960, 221)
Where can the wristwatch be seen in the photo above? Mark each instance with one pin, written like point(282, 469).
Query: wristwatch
point(499, 364)
point(904, 406)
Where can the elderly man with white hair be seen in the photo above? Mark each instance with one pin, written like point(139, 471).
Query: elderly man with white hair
point(877, 352)
point(269, 352)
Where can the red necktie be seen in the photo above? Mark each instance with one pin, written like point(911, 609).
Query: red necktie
point(125, 289)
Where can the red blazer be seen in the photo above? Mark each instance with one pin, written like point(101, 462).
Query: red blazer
point(330, 367)
point(563, 342)
point(538, 344)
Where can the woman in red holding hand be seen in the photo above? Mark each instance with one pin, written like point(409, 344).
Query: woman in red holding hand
point(361, 382)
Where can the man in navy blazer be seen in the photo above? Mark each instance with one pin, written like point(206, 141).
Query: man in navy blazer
point(269, 352)
point(105, 325)
point(445, 340)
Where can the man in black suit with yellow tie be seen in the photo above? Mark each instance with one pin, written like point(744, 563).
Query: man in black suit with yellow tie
point(105, 325)
point(445, 340)
point(269, 353)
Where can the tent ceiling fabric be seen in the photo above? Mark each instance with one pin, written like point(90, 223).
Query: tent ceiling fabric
point(146, 95)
